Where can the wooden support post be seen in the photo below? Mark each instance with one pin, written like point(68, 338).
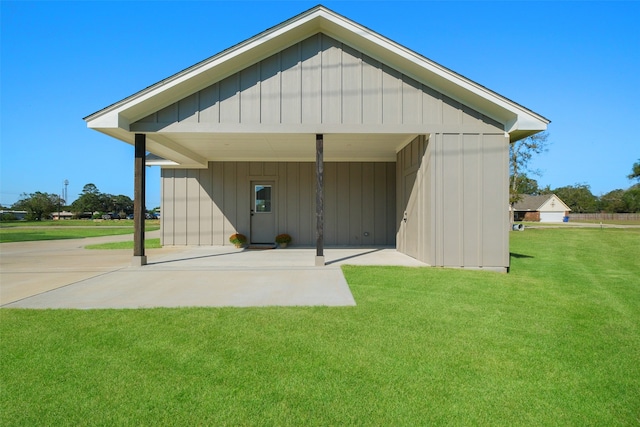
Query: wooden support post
point(139, 258)
point(320, 200)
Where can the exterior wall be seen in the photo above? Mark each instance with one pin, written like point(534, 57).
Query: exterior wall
point(531, 216)
point(206, 206)
point(459, 183)
point(316, 81)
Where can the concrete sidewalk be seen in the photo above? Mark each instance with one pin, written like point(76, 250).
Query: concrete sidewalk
point(62, 274)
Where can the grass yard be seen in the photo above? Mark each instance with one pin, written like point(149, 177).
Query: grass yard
point(554, 342)
point(148, 244)
point(21, 231)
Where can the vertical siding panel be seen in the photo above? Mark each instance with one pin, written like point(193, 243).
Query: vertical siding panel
point(470, 116)
point(428, 168)
point(209, 104)
point(243, 200)
point(193, 207)
point(250, 94)
point(343, 203)
point(282, 198)
point(451, 114)
point(402, 197)
point(495, 236)
point(180, 206)
point(270, 90)
point(392, 197)
point(168, 114)
point(188, 109)
point(270, 168)
point(411, 101)
point(293, 205)
point(431, 106)
point(305, 191)
point(230, 99)
point(291, 84)
point(206, 209)
point(472, 193)
point(367, 207)
point(452, 220)
point(355, 203)
point(351, 86)
point(371, 91)
point(379, 208)
point(437, 200)
point(330, 204)
point(230, 198)
point(256, 168)
point(311, 80)
point(391, 96)
point(168, 206)
point(331, 81)
point(217, 186)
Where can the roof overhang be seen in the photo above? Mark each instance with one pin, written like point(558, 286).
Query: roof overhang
point(116, 119)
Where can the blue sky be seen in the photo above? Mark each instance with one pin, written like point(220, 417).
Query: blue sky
point(576, 63)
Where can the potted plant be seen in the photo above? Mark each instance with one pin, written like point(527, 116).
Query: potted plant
point(283, 240)
point(238, 239)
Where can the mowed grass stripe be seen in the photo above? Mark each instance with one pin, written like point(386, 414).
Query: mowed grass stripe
point(554, 342)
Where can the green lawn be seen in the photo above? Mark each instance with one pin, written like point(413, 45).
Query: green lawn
point(554, 342)
point(148, 244)
point(21, 231)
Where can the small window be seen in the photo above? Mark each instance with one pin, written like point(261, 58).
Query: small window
point(263, 198)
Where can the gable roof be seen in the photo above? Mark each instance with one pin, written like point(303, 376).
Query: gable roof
point(116, 119)
point(535, 203)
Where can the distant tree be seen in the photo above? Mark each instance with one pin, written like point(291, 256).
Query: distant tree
point(89, 200)
point(520, 155)
point(631, 198)
point(38, 205)
point(121, 204)
point(635, 171)
point(578, 197)
point(613, 201)
point(526, 185)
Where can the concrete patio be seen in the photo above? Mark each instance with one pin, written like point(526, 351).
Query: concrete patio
point(62, 274)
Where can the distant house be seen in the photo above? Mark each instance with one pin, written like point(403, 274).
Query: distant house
point(61, 215)
point(8, 213)
point(542, 208)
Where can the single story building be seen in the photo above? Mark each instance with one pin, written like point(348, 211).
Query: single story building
point(56, 216)
point(542, 208)
point(9, 214)
point(325, 130)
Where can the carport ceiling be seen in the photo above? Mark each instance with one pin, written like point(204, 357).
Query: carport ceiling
point(285, 147)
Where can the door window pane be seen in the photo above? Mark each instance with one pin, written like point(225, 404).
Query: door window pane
point(263, 198)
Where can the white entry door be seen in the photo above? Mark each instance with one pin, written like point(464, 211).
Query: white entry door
point(263, 216)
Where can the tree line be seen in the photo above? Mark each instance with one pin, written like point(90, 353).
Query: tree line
point(578, 197)
point(90, 202)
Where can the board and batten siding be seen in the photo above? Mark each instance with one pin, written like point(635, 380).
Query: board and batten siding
point(316, 81)
point(454, 190)
point(206, 206)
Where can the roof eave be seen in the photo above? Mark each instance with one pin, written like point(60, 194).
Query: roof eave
point(519, 121)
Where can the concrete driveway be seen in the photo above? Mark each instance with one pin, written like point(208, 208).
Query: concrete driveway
point(62, 274)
